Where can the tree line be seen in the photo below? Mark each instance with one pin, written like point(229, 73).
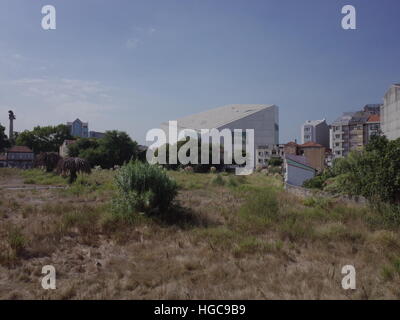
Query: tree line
point(115, 148)
point(373, 173)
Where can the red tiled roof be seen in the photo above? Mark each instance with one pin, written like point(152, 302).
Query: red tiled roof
point(291, 143)
point(19, 149)
point(374, 118)
point(310, 144)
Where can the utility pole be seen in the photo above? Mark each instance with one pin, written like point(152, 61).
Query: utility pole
point(11, 116)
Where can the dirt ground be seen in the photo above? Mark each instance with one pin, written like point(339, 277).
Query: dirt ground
point(215, 247)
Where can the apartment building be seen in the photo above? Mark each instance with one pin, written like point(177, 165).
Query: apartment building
point(390, 113)
point(316, 131)
point(265, 153)
point(372, 127)
point(353, 130)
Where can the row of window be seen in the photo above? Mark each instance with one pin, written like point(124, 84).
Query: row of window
point(266, 153)
point(20, 156)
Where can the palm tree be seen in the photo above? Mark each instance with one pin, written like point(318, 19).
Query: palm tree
point(73, 166)
point(49, 160)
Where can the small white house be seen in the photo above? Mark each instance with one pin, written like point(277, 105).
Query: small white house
point(297, 170)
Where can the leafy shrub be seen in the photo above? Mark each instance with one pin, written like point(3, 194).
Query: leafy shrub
point(143, 188)
point(373, 173)
point(314, 183)
point(275, 162)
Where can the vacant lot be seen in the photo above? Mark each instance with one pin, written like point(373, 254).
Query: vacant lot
point(227, 237)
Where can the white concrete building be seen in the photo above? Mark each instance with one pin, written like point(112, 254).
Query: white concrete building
point(390, 113)
point(264, 119)
point(315, 131)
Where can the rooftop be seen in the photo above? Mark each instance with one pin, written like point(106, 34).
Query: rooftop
point(374, 118)
point(311, 144)
point(78, 120)
point(344, 118)
point(19, 149)
point(218, 117)
point(299, 159)
point(314, 122)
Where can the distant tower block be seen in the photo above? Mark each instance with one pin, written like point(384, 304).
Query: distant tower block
point(11, 116)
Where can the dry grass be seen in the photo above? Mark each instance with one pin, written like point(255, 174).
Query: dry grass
point(240, 239)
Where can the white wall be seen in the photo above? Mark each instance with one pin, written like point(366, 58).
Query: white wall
point(390, 114)
point(296, 175)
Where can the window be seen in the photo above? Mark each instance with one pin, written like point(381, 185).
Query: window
point(337, 144)
point(337, 136)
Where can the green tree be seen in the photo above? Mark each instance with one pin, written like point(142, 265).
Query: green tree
point(44, 139)
point(4, 142)
point(373, 173)
point(198, 167)
point(115, 148)
point(80, 145)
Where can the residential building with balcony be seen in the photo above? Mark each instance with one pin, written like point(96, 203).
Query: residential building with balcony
point(352, 131)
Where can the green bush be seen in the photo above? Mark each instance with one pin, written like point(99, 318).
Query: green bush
point(314, 183)
point(275, 162)
point(373, 173)
point(143, 188)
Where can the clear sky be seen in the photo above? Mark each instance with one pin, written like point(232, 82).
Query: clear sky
point(130, 65)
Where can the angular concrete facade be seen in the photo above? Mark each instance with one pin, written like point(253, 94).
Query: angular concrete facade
point(264, 119)
point(390, 113)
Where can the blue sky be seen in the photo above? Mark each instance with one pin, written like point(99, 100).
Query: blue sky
point(130, 65)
